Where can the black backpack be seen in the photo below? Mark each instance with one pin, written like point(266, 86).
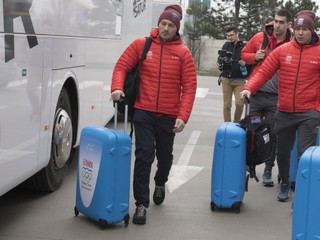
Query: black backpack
point(259, 141)
point(132, 84)
point(259, 144)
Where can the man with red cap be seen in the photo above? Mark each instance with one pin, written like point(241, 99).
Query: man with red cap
point(298, 108)
point(167, 91)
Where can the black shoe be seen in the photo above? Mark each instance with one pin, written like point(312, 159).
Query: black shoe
point(140, 216)
point(159, 194)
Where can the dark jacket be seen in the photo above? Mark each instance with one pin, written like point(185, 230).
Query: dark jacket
point(236, 57)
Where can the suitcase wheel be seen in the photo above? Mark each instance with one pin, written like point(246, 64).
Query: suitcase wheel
point(102, 224)
point(76, 212)
point(213, 206)
point(293, 186)
point(126, 220)
point(236, 207)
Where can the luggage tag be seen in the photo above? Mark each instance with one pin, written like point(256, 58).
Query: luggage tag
point(255, 119)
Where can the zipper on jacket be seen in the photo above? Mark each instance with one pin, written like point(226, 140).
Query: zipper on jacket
point(296, 82)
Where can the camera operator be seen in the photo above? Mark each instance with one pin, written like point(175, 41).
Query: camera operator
point(234, 74)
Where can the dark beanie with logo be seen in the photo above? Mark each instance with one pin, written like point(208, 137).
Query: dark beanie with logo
point(305, 18)
point(172, 13)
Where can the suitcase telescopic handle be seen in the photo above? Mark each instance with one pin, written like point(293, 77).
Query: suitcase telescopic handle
point(125, 115)
point(247, 104)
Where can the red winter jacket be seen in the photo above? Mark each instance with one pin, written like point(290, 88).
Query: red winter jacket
point(168, 78)
point(249, 51)
point(299, 75)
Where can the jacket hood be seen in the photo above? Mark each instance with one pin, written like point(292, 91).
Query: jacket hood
point(315, 38)
point(269, 27)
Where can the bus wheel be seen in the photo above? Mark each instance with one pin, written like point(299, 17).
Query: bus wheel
point(62, 142)
point(50, 178)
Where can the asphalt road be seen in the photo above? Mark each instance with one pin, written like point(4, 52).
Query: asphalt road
point(185, 213)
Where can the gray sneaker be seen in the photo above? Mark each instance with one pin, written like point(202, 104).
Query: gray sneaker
point(284, 192)
point(267, 179)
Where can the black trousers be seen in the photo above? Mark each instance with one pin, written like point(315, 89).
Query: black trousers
point(306, 125)
point(153, 137)
point(264, 104)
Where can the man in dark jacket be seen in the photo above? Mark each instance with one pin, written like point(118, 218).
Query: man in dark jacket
point(234, 74)
point(264, 102)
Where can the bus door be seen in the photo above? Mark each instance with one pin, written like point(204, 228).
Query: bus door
point(20, 94)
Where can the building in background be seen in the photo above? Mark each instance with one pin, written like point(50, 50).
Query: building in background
point(203, 3)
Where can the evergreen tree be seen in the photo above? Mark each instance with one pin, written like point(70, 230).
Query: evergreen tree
point(253, 19)
point(199, 24)
point(222, 17)
point(244, 14)
point(296, 6)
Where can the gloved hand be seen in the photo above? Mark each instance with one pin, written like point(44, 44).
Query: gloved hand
point(117, 95)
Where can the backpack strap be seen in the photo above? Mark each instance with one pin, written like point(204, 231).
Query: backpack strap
point(251, 174)
point(146, 48)
point(143, 57)
point(264, 45)
point(145, 51)
point(265, 41)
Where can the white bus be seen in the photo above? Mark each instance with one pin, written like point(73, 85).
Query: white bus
point(56, 62)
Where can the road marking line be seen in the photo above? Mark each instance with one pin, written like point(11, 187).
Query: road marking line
point(202, 92)
point(181, 172)
point(188, 149)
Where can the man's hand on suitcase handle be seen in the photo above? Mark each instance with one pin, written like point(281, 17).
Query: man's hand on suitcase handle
point(245, 94)
point(117, 95)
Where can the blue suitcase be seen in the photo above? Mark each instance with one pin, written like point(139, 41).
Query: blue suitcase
point(228, 167)
point(294, 162)
point(103, 177)
point(306, 207)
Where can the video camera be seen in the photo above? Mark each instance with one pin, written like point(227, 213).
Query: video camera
point(225, 62)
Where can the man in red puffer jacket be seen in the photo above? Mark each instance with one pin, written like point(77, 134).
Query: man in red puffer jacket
point(264, 103)
point(167, 91)
point(298, 108)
